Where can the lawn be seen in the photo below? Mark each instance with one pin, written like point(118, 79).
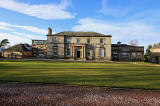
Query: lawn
point(121, 75)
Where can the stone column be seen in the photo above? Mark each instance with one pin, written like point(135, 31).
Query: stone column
point(73, 51)
point(84, 52)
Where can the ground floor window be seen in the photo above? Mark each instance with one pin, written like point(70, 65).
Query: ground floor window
point(55, 51)
point(101, 52)
point(68, 52)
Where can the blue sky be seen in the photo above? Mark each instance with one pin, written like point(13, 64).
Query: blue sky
point(125, 20)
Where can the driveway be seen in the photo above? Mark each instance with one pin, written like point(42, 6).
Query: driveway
point(26, 94)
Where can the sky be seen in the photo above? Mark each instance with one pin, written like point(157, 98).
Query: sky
point(126, 20)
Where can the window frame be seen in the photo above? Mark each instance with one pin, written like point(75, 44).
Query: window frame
point(68, 40)
point(55, 40)
point(101, 40)
point(78, 40)
point(88, 40)
point(55, 49)
point(101, 54)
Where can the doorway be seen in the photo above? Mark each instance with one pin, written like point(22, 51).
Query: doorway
point(157, 60)
point(78, 54)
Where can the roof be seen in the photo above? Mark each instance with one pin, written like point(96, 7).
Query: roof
point(81, 34)
point(19, 48)
point(118, 45)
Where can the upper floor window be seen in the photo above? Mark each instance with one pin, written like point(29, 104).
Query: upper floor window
point(41, 42)
point(35, 42)
point(101, 40)
point(55, 40)
point(78, 40)
point(45, 42)
point(67, 40)
point(88, 40)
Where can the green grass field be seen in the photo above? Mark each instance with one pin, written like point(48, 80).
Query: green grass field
point(121, 75)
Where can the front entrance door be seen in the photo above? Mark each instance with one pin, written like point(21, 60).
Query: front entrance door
point(78, 54)
point(157, 60)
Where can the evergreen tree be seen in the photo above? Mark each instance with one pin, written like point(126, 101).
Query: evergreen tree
point(147, 56)
point(4, 42)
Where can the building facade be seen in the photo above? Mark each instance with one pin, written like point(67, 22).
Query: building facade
point(156, 53)
point(79, 45)
point(124, 52)
point(18, 52)
point(39, 48)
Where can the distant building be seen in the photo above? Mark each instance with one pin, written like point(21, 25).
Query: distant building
point(124, 52)
point(156, 53)
point(39, 48)
point(79, 45)
point(18, 51)
point(1, 49)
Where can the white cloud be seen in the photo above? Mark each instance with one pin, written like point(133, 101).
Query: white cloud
point(27, 28)
point(42, 11)
point(14, 39)
point(29, 36)
point(6, 28)
point(18, 36)
point(120, 31)
point(113, 11)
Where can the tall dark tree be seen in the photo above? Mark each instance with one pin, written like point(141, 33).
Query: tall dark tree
point(4, 42)
point(147, 56)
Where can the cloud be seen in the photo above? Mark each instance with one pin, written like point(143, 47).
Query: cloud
point(29, 36)
point(9, 27)
point(42, 11)
point(14, 39)
point(6, 28)
point(120, 31)
point(116, 11)
point(16, 36)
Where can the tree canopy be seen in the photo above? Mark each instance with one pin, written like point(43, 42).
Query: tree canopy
point(4, 42)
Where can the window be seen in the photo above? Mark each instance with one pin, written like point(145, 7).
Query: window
point(55, 40)
point(115, 54)
point(78, 40)
point(101, 40)
point(68, 51)
point(88, 52)
point(35, 42)
point(133, 54)
point(88, 40)
point(41, 42)
point(45, 42)
point(55, 51)
point(67, 40)
point(101, 52)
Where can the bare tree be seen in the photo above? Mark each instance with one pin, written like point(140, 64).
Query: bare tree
point(134, 42)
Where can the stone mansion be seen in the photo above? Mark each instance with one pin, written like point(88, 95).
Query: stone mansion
point(78, 45)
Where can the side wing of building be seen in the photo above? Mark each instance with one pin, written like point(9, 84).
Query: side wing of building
point(123, 52)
